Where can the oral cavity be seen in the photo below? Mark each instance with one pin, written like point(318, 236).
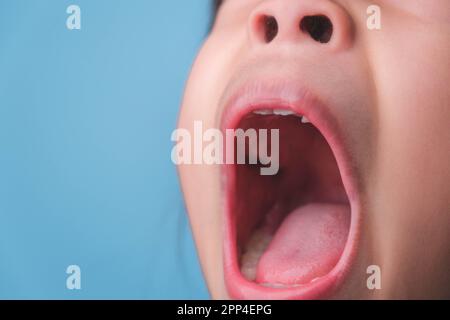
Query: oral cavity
point(291, 228)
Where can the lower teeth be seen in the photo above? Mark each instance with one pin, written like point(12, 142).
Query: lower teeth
point(254, 249)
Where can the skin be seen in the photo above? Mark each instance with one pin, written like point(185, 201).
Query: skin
point(390, 91)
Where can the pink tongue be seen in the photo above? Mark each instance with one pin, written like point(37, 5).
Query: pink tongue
point(307, 245)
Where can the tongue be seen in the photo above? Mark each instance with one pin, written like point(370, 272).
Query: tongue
point(307, 245)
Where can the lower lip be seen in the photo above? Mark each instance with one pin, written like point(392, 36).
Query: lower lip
point(239, 287)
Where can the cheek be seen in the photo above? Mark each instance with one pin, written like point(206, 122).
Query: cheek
point(200, 103)
point(412, 187)
point(201, 183)
point(411, 181)
point(414, 109)
point(414, 133)
point(414, 103)
point(209, 76)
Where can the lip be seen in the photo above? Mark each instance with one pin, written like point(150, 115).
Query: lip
point(290, 96)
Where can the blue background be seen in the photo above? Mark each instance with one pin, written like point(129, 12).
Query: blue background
point(85, 171)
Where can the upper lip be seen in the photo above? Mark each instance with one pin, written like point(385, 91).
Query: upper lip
point(285, 94)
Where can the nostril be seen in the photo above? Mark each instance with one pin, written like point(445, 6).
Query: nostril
point(270, 28)
point(318, 27)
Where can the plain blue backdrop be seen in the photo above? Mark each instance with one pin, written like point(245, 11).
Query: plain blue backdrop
point(85, 171)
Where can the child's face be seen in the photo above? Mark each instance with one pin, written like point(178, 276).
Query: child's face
point(366, 183)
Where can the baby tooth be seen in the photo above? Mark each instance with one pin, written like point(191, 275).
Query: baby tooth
point(282, 112)
point(263, 112)
point(305, 120)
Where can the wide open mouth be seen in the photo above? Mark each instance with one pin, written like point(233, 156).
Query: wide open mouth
point(292, 227)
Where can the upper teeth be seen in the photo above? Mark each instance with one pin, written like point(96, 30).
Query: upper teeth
point(280, 112)
point(283, 112)
point(305, 120)
point(263, 112)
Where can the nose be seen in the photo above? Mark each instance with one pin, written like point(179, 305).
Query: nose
point(320, 22)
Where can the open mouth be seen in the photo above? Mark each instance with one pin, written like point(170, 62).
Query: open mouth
point(291, 227)
point(287, 235)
